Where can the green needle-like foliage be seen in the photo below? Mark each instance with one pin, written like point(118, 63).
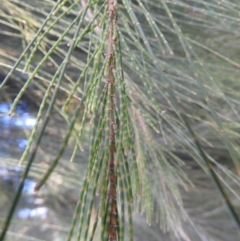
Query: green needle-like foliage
point(154, 86)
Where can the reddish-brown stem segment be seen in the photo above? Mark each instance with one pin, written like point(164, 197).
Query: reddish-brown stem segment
point(112, 178)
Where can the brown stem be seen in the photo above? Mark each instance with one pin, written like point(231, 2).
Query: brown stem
point(112, 178)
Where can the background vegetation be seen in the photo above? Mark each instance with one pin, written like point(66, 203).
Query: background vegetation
point(175, 109)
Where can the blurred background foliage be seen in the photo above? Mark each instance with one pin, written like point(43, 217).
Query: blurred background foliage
point(196, 46)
